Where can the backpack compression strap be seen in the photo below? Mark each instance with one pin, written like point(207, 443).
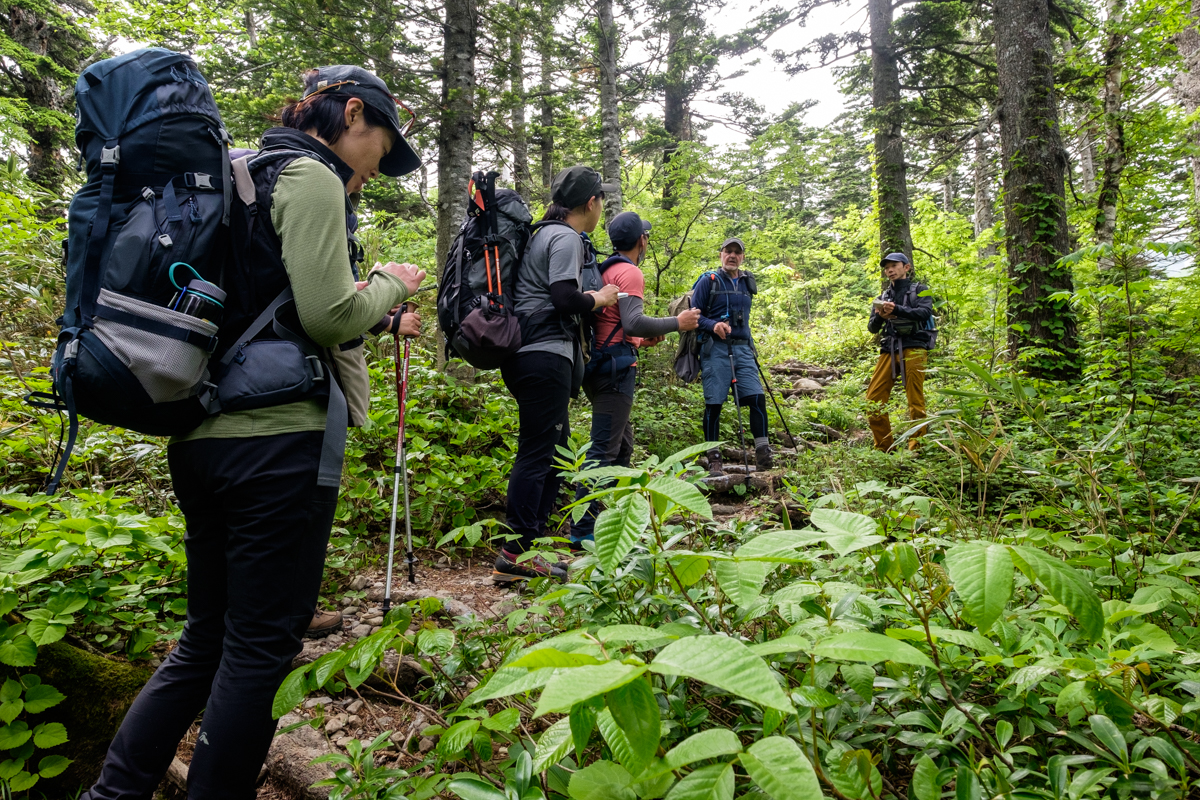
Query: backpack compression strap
point(110, 159)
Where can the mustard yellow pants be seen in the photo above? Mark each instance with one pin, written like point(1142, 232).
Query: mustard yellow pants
point(880, 389)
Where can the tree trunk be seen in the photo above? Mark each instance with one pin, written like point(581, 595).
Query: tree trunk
point(39, 88)
point(610, 123)
point(985, 215)
point(1113, 162)
point(456, 133)
point(1035, 214)
point(891, 186)
point(546, 131)
point(1086, 139)
point(677, 112)
point(1187, 89)
point(522, 181)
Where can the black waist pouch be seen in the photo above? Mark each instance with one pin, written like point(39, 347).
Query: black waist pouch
point(269, 372)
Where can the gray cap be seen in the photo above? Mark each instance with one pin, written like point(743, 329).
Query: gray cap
point(903, 259)
point(358, 82)
point(575, 185)
point(733, 240)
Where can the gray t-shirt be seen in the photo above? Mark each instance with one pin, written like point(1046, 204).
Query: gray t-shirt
point(554, 253)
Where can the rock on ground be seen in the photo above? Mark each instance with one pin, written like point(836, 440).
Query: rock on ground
point(288, 761)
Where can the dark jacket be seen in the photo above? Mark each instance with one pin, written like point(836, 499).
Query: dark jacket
point(724, 299)
point(912, 312)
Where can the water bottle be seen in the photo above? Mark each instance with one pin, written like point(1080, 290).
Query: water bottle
point(201, 299)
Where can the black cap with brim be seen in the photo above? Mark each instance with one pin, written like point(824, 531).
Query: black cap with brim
point(358, 82)
point(625, 230)
point(574, 186)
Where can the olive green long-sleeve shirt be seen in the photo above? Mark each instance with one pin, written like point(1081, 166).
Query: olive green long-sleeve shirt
point(308, 212)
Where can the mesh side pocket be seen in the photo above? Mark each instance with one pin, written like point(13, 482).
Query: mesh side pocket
point(168, 369)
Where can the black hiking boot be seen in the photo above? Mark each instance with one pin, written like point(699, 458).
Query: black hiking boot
point(507, 570)
point(763, 457)
point(715, 465)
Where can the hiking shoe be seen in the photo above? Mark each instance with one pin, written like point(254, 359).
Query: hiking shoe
point(763, 457)
point(507, 570)
point(324, 623)
point(715, 467)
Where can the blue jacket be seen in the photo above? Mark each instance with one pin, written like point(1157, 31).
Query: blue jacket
point(724, 299)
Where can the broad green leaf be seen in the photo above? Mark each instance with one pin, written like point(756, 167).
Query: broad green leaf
point(53, 766)
point(778, 545)
point(634, 634)
point(1068, 586)
point(846, 531)
point(1154, 636)
point(603, 473)
point(551, 657)
point(438, 641)
point(583, 722)
point(701, 746)
point(813, 697)
point(971, 639)
point(966, 784)
point(474, 789)
point(553, 746)
point(634, 708)
point(925, 784)
point(616, 740)
point(870, 648)
point(1074, 695)
point(689, 569)
point(23, 782)
point(505, 682)
point(602, 780)
point(618, 529)
point(741, 581)
point(574, 685)
point(714, 782)
point(49, 734)
point(906, 556)
point(10, 691)
point(781, 769)
point(19, 651)
point(983, 578)
point(682, 494)
point(10, 768)
point(725, 663)
point(290, 693)
point(325, 667)
point(457, 737)
point(845, 771)
point(503, 721)
point(11, 710)
point(688, 454)
point(1109, 735)
point(860, 678)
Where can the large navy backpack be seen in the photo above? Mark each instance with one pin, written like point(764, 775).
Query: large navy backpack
point(153, 214)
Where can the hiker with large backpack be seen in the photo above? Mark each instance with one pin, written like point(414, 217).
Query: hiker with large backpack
point(611, 373)
point(727, 364)
point(258, 482)
point(903, 314)
point(550, 299)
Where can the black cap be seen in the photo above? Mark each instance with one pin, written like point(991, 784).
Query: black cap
point(625, 230)
point(734, 240)
point(576, 185)
point(903, 259)
point(358, 82)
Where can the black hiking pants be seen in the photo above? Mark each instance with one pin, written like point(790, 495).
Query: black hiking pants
point(612, 436)
point(257, 528)
point(541, 384)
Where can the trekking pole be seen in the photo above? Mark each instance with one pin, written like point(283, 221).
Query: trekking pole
point(401, 475)
point(738, 403)
point(771, 392)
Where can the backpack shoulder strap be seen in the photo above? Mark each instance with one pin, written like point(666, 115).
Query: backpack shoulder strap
point(243, 180)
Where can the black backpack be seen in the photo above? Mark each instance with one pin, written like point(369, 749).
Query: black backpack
point(474, 302)
point(152, 216)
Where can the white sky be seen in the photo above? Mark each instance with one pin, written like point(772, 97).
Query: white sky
point(766, 81)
